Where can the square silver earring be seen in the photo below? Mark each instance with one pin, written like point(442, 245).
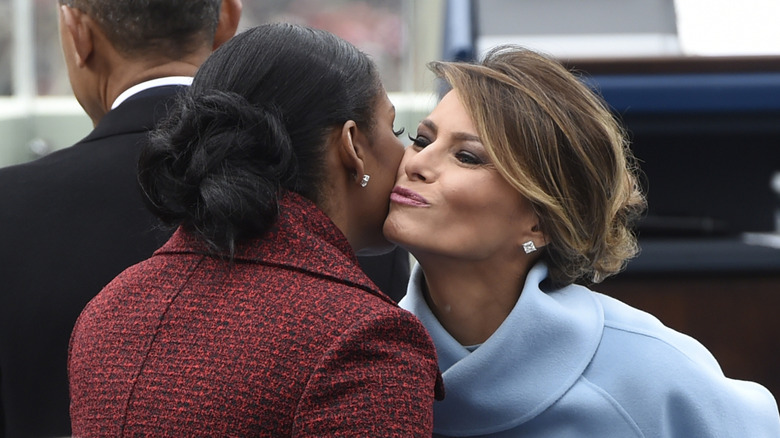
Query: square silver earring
point(364, 181)
point(529, 247)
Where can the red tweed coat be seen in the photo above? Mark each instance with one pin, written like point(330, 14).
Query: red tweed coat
point(291, 339)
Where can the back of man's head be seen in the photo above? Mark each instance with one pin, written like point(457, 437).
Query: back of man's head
point(167, 28)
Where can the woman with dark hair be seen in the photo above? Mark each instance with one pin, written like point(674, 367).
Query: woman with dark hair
point(254, 319)
point(517, 186)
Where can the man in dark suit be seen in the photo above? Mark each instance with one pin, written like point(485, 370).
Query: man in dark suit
point(73, 220)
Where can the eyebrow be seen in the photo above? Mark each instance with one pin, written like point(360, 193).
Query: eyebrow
point(460, 136)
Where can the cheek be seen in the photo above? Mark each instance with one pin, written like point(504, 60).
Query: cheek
point(479, 205)
point(390, 160)
point(397, 154)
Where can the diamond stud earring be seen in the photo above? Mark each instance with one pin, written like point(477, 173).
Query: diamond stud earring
point(529, 247)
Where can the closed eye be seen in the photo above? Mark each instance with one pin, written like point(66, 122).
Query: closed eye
point(419, 141)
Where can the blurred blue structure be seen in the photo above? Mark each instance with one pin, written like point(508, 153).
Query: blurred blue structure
point(459, 31)
point(708, 141)
point(686, 93)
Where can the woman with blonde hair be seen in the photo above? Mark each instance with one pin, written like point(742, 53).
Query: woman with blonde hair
point(518, 188)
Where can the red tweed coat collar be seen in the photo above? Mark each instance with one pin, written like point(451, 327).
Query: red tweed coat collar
point(303, 239)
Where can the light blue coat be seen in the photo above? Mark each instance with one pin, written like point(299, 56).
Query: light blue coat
point(576, 363)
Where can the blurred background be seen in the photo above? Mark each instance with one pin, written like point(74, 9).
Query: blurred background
point(696, 83)
point(38, 113)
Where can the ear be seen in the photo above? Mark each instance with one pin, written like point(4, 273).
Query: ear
point(77, 25)
point(229, 16)
point(533, 234)
point(350, 144)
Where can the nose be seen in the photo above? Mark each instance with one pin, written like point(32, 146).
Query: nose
point(420, 164)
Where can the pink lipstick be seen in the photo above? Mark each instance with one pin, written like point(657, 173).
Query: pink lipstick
point(404, 196)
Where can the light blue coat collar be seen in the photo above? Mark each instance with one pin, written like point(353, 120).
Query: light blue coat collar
point(534, 357)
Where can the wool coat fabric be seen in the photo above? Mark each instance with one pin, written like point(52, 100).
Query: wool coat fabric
point(575, 363)
point(288, 339)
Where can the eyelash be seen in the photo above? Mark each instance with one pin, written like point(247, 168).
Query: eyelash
point(468, 158)
point(418, 141)
point(399, 132)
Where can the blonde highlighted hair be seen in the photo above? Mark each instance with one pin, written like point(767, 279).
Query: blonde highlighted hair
point(555, 141)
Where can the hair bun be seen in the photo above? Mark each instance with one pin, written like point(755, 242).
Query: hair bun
point(229, 131)
point(195, 169)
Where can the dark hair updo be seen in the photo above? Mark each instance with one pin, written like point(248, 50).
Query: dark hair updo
point(255, 122)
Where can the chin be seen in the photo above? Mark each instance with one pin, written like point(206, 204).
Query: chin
point(390, 229)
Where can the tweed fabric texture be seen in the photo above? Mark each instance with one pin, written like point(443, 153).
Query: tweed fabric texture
point(290, 339)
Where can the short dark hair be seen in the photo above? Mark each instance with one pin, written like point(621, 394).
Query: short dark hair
point(171, 28)
point(255, 122)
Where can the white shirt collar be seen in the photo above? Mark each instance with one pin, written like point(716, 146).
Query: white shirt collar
point(159, 82)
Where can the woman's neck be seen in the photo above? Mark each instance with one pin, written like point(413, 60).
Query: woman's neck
point(471, 299)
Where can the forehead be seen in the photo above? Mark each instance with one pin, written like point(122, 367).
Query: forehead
point(383, 104)
point(451, 115)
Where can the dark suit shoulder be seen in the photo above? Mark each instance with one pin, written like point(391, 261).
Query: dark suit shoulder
point(69, 223)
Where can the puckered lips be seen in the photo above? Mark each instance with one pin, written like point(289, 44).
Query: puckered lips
point(404, 196)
